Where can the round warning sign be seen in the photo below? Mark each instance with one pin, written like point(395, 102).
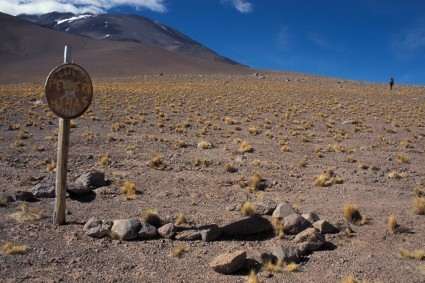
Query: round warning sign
point(69, 91)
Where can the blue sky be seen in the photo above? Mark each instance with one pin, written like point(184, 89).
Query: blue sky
point(368, 40)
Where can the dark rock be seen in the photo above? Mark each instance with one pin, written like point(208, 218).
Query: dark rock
point(324, 227)
point(264, 207)
point(309, 240)
point(294, 224)
point(24, 196)
point(97, 228)
point(167, 231)
point(229, 262)
point(248, 226)
point(210, 232)
point(189, 235)
point(43, 191)
point(147, 231)
point(287, 254)
point(126, 229)
point(264, 257)
point(283, 210)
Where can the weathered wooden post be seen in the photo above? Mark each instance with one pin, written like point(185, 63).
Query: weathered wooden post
point(69, 92)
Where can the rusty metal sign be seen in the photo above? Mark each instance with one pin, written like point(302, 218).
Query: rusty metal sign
point(69, 91)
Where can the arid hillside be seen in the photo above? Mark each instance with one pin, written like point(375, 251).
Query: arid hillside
point(198, 150)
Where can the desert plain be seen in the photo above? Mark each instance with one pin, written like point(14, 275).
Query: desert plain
point(208, 136)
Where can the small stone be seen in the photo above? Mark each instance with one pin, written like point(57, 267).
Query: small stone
point(167, 231)
point(283, 210)
point(229, 262)
point(309, 240)
point(287, 254)
point(210, 233)
point(97, 228)
point(346, 122)
point(310, 217)
point(324, 227)
point(147, 231)
point(126, 229)
point(294, 224)
point(264, 207)
point(24, 196)
point(248, 226)
point(43, 191)
point(189, 235)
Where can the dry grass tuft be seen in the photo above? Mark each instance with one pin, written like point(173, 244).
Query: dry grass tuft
point(290, 267)
point(229, 168)
point(352, 214)
point(28, 214)
point(419, 205)
point(151, 216)
point(256, 181)
point(180, 219)
point(416, 254)
point(179, 144)
point(327, 178)
point(245, 147)
point(156, 162)
point(253, 130)
point(397, 176)
point(252, 277)
point(278, 228)
point(11, 249)
point(51, 166)
point(178, 251)
point(392, 224)
point(272, 267)
point(349, 279)
point(248, 209)
point(402, 158)
point(105, 159)
point(129, 190)
point(2, 201)
point(418, 192)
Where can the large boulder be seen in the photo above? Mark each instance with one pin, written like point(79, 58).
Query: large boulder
point(287, 253)
point(264, 207)
point(229, 262)
point(294, 224)
point(126, 229)
point(210, 232)
point(310, 217)
point(97, 228)
point(248, 226)
point(324, 227)
point(167, 231)
point(24, 196)
point(282, 210)
point(309, 240)
point(147, 231)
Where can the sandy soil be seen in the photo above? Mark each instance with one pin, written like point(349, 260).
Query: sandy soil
point(134, 118)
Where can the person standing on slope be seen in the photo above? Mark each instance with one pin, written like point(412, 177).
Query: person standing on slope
point(391, 82)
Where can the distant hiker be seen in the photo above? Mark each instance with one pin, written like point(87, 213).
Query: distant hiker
point(391, 82)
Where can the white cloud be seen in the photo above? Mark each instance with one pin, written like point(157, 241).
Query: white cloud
point(242, 6)
point(410, 44)
point(15, 7)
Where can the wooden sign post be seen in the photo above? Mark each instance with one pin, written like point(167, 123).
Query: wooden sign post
point(69, 92)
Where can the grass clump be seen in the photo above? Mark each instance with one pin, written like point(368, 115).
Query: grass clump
point(151, 217)
point(180, 219)
point(278, 227)
point(245, 147)
point(349, 279)
point(256, 182)
point(252, 277)
point(279, 266)
point(105, 159)
point(28, 214)
point(419, 205)
point(253, 130)
point(397, 176)
point(248, 209)
point(327, 178)
point(156, 162)
point(402, 158)
point(178, 251)
point(229, 168)
point(51, 166)
point(129, 190)
point(352, 214)
point(11, 249)
point(392, 224)
point(416, 254)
